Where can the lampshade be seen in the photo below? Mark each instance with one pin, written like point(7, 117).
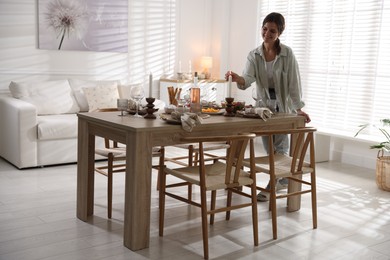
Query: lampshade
point(206, 62)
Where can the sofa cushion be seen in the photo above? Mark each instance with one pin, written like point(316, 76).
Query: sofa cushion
point(101, 97)
point(57, 126)
point(78, 85)
point(49, 97)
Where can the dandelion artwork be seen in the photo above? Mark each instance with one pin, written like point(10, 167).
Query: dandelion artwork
point(67, 18)
point(91, 25)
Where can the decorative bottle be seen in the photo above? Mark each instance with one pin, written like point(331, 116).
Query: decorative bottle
point(195, 96)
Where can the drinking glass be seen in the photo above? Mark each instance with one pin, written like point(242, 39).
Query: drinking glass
point(137, 94)
point(186, 98)
point(122, 105)
point(258, 101)
point(203, 93)
point(272, 104)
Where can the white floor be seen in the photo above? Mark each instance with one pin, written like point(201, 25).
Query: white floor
point(38, 221)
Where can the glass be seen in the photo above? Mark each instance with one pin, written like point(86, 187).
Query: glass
point(203, 93)
point(137, 94)
point(122, 105)
point(258, 101)
point(272, 104)
point(185, 98)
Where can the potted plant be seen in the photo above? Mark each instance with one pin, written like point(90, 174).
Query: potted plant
point(383, 162)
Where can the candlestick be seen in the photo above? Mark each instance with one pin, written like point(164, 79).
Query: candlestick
point(150, 108)
point(150, 84)
point(230, 85)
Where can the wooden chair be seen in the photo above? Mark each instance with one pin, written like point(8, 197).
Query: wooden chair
point(292, 167)
point(227, 175)
point(116, 157)
point(192, 156)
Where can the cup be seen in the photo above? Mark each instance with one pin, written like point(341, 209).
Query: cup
point(122, 104)
point(272, 104)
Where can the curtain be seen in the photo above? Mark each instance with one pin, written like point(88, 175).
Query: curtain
point(342, 47)
point(152, 34)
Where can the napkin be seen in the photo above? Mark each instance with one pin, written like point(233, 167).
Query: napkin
point(263, 112)
point(188, 120)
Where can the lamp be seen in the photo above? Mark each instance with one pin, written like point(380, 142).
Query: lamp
point(206, 63)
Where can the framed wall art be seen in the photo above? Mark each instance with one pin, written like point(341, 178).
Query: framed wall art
point(83, 25)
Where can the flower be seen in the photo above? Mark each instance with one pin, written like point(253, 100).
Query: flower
point(67, 17)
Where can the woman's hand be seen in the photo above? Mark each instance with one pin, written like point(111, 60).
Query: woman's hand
point(301, 113)
point(235, 77)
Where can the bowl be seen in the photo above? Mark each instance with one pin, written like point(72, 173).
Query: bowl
point(169, 109)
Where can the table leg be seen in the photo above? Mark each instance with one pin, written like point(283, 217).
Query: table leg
point(85, 171)
point(294, 202)
point(137, 190)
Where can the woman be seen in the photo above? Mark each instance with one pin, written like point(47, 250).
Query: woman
point(274, 68)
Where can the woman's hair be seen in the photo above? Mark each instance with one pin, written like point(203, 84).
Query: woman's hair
point(278, 19)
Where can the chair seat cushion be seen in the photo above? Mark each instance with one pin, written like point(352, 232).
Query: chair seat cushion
point(215, 175)
point(57, 126)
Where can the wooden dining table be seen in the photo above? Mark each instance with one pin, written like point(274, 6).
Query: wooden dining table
point(140, 135)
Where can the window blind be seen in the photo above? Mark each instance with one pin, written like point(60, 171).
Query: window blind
point(151, 39)
point(342, 50)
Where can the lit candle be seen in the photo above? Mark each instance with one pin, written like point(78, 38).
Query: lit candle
point(230, 85)
point(150, 84)
point(179, 66)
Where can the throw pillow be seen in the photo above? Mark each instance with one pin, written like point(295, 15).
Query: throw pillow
point(101, 97)
point(49, 97)
point(78, 85)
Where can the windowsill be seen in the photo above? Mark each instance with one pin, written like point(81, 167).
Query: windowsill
point(347, 135)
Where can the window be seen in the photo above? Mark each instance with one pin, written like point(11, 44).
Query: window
point(342, 47)
point(151, 39)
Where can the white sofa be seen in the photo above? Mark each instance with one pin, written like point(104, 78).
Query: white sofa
point(39, 120)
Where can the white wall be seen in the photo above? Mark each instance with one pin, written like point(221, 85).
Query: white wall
point(223, 29)
point(21, 60)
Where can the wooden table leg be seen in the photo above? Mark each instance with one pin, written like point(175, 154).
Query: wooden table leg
point(85, 171)
point(137, 190)
point(294, 203)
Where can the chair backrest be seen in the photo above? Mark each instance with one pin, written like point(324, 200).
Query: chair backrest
point(234, 157)
point(302, 140)
point(110, 144)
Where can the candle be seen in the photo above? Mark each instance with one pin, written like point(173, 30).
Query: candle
point(150, 84)
point(189, 66)
point(179, 66)
point(230, 85)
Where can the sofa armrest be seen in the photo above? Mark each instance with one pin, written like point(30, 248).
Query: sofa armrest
point(18, 132)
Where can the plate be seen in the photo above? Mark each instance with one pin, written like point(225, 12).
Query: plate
point(173, 122)
point(243, 114)
point(108, 109)
point(140, 112)
point(167, 118)
point(251, 115)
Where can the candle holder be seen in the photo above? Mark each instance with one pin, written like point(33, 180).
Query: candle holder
point(229, 107)
point(150, 108)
